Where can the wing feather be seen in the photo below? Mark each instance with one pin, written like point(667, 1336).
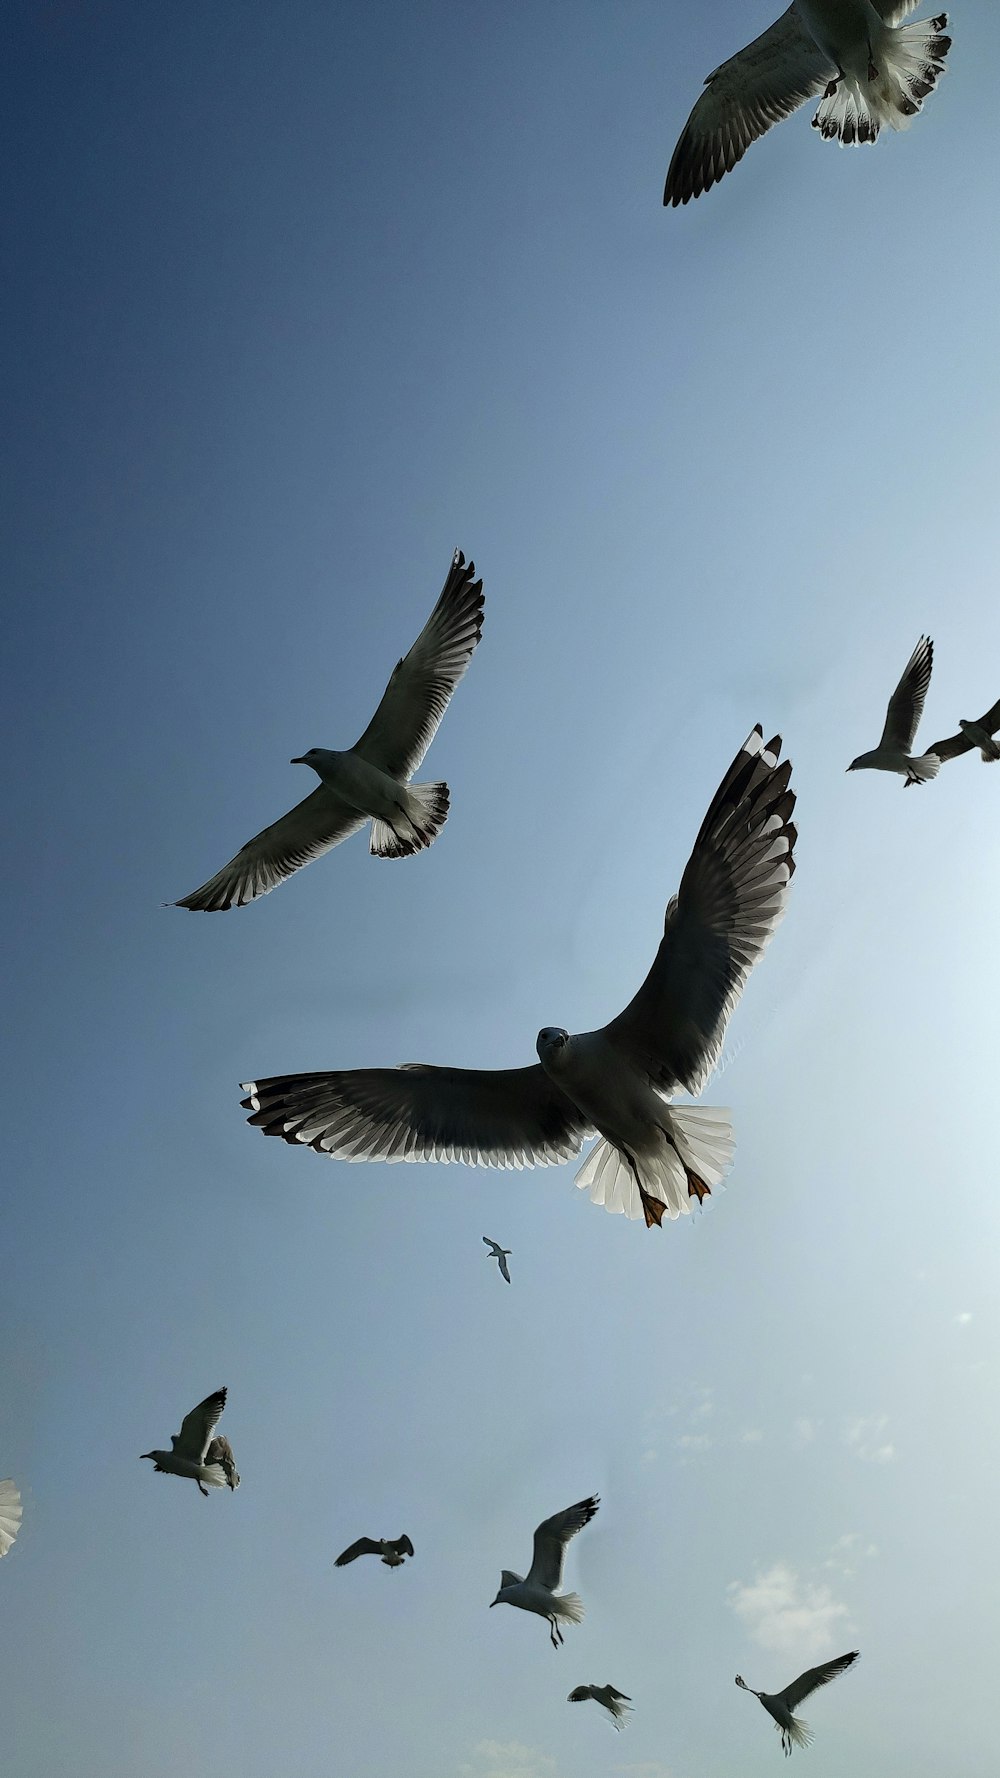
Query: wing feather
point(313, 827)
point(906, 706)
point(513, 1117)
point(551, 1539)
point(418, 693)
point(198, 1426)
point(731, 898)
point(960, 743)
point(365, 1546)
point(814, 1677)
point(756, 88)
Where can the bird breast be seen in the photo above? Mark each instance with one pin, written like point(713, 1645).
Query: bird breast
point(618, 1101)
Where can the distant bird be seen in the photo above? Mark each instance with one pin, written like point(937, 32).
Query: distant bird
point(10, 1515)
point(372, 779)
point(902, 720)
point(972, 734)
point(869, 67)
point(392, 1553)
point(195, 1453)
point(500, 1255)
point(781, 1704)
point(656, 1157)
point(615, 1703)
point(537, 1591)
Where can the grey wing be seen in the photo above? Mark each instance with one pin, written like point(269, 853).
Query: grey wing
point(417, 695)
point(960, 743)
point(502, 1263)
point(732, 896)
point(315, 825)
point(221, 1451)
point(764, 83)
point(494, 1247)
point(10, 1514)
point(364, 1547)
point(906, 706)
point(811, 1680)
point(402, 1546)
point(551, 1539)
point(512, 1117)
point(198, 1426)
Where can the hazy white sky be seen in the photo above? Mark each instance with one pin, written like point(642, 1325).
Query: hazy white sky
point(299, 298)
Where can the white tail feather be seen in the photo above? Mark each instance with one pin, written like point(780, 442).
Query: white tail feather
point(569, 1606)
point(922, 769)
point(419, 822)
point(701, 1139)
point(213, 1475)
point(910, 62)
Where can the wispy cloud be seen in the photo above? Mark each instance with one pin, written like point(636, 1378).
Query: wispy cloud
point(805, 1430)
point(788, 1615)
point(866, 1438)
point(507, 1759)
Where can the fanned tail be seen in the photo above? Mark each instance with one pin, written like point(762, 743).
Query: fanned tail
point(922, 769)
point(568, 1606)
point(911, 61)
point(421, 821)
point(694, 1158)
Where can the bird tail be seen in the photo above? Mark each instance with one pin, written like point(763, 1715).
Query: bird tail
point(695, 1156)
point(909, 63)
point(569, 1606)
point(992, 751)
point(797, 1731)
point(424, 814)
point(213, 1475)
point(922, 769)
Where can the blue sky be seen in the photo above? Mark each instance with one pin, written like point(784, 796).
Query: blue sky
point(298, 299)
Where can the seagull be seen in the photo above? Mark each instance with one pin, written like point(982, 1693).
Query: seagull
point(372, 779)
point(393, 1553)
point(781, 1704)
point(869, 67)
point(901, 722)
point(500, 1255)
point(655, 1157)
point(537, 1592)
point(10, 1514)
point(615, 1703)
point(972, 734)
point(208, 1461)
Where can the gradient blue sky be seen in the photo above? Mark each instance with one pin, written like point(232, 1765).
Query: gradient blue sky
point(298, 298)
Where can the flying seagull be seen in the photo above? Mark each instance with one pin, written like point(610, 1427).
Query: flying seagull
point(615, 1703)
point(500, 1255)
point(655, 1157)
point(901, 722)
point(781, 1704)
point(537, 1591)
point(972, 734)
point(372, 779)
point(869, 67)
point(392, 1552)
point(10, 1515)
point(195, 1453)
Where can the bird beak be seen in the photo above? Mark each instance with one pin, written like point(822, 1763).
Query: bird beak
point(296, 762)
point(492, 1603)
point(144, 1454)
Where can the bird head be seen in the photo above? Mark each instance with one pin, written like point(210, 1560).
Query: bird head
point(150, 1454)
point(851, 768)
point(312, 758)
point(550, 1042)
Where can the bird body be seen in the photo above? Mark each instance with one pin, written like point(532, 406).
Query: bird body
point(500, 1254)
point(781, 1705)
point(616, 1703)
point(10, 1514)
point(971, 735)
point(894, 752)
point(537, 1591)
point(868, 68)
point(392, 1551)
point(195, 1453)
point(655, 1157)
point(980, 737)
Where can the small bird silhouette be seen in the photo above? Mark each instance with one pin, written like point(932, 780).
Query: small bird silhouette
point(500, 1255)
point(393, 1553)
point(615, 1703)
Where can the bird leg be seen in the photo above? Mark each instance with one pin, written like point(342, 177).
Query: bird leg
point(697, 1187)
point(833, 85)
point(201, 1490)
point(555, 1634)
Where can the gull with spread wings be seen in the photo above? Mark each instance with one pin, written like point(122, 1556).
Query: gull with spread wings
point(971, 735)
point(780, 1705)
point(617, 1704)
point(500, 1254)
point(536, 1591)
point(371, 781)
point(869, 67)
point(393, 1551)
point(655, 1157)
point(195, 1453)
point(902, 720)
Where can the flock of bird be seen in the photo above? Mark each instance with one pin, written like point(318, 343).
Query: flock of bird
point(653, 1157)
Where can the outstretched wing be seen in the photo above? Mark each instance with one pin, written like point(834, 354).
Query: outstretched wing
point(811, 1681)
point(960, 743)
point(10, 1514)
point(365, 1546)
point(906, 705)
point(764, 83)
point(502, 1263)
point(221, 1451)
point(417, 695)
point(580, 1694)
point(198, 1426)
point(731, 898)
point(510, 1117)
point(551, 1539)
point(401, 1545)
point(313, 827)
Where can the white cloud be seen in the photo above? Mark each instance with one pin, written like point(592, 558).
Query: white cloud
point(805, 1430)
point(694, 1441)
point(788, 1615)
point(507, 1759)
point(866, 1438)
point(848, 1551)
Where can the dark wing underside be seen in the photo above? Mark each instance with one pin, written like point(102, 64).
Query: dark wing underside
point(313, 827)
point(364, 1547)
point(814, 1677)
point(960, 743)
point(906, 706)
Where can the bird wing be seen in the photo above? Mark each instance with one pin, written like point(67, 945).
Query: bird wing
point(580, 1694)
point(731, 898)
point(365, 1546)
point(551, 1539)
point(815, 1677)
point(960, 743)
point(315, 825)
point(417, 695)
point(10, 1514)
point(197, 1427)
point(906, 705)
point(401, 1545)
point(502, 1263)
point(509, 1117)
point(221, 1451)
point(494, 1246)
point(756, 88)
